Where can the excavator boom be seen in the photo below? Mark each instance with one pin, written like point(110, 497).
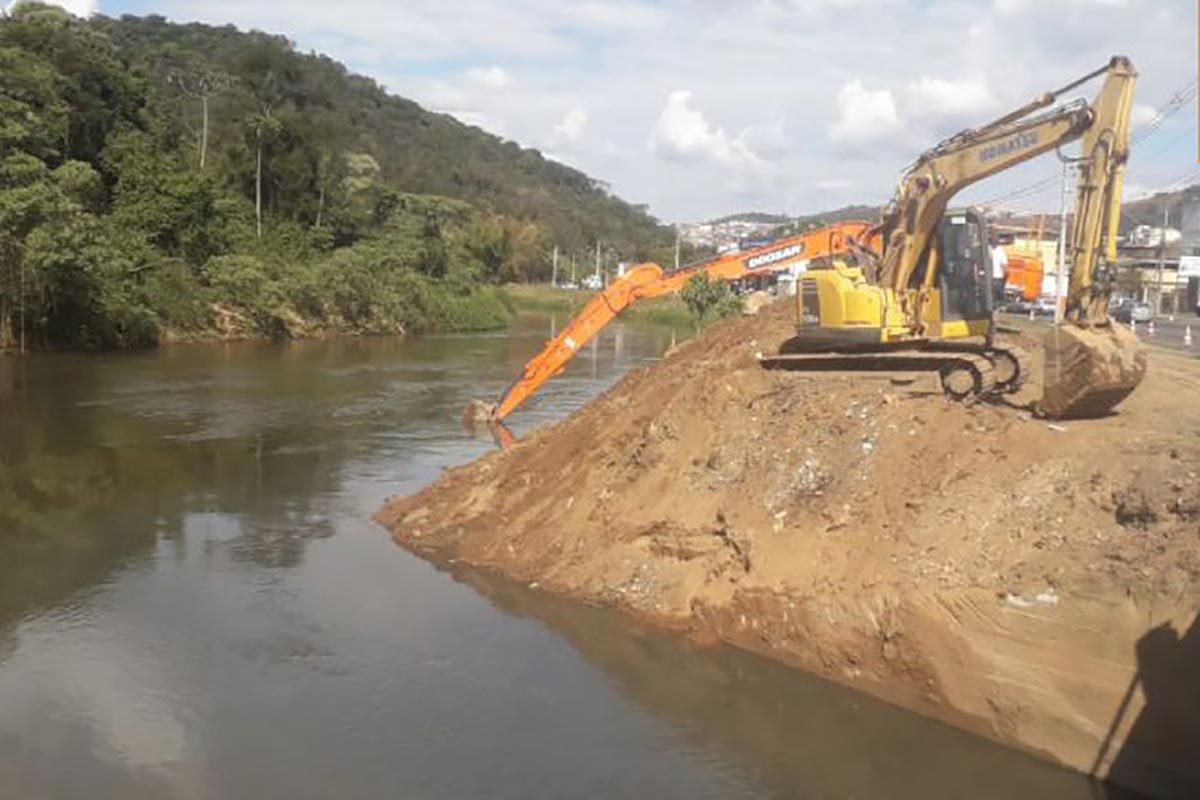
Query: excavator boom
point(650, 280)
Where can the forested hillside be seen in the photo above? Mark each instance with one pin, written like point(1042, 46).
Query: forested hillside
point(162, 179)
point(821, 219)
point(1149, 210)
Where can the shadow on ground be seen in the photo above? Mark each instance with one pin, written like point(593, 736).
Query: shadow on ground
point(1161, 753)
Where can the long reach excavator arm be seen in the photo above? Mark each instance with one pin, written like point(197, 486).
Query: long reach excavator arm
point(650, 280)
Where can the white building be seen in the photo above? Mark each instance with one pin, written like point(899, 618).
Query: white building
point(1190, 233)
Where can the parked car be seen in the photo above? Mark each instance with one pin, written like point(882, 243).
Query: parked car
point(1131, 311)
point(1018, 305)
point(1044, 306)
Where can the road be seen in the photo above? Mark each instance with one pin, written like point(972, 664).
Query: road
point(1168, 333)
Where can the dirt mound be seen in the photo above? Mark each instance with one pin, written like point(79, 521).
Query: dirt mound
point(968, 562)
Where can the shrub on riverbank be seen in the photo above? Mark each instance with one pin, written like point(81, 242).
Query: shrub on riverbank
point(359, 290)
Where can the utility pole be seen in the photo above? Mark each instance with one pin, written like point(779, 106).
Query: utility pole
point(676, 247)
point(572, 269)
point(1060, 276)
point(1162, 254)
point(598, 264)
point(554, 269)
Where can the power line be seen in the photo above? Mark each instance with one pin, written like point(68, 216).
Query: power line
point(1023, 191)
point(1163, 147)
point(1180, 98)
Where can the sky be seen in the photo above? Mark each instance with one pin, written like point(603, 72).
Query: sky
point(701, 108)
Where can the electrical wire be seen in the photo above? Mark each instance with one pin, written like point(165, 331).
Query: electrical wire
point(1178, 100)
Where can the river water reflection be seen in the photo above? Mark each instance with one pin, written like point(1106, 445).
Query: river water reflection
point(194, 604)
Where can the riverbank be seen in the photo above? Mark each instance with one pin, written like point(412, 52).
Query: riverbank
point(434, 309)
point(970, 563)
point(427, 308)
point(438, 311)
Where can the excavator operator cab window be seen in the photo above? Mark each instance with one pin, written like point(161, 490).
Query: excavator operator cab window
point(966, 267)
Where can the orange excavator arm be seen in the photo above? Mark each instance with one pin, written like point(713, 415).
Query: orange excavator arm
point(650, 280)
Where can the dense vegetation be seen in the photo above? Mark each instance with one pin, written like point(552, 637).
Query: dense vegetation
point(182, 179)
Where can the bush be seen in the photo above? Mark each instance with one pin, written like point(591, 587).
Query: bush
point(244, 282)
point(171, 290)
point(705, 298)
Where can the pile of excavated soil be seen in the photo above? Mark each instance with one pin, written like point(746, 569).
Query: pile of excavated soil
point(968, 562)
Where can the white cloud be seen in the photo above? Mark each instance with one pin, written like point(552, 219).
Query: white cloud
point(615, 16)
point(80, 8)
point(1142, 114)
point(814, 6)
point(493, 77)
point(941, 66)
point(682, 133)
point(572, 126)
point(865, 116)
point(833, 183)
point(950, 98)
point(769, 141)
point(1011, 6)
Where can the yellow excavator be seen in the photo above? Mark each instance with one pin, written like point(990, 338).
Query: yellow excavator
point(919, 298)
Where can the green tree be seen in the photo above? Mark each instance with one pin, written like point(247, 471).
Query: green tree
point(705, 297)
point(265, 128)
point(196, 81)
point(89, 76)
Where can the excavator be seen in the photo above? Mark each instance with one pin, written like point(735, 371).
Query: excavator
point(650, 280)
point(916, 293)
point(922, 302)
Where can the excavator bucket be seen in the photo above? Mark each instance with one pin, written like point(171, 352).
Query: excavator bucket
point(1088, 371)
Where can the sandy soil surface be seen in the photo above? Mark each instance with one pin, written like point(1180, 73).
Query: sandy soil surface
point(1035, 583)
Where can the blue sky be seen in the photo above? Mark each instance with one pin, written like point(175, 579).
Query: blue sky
point(704, 107)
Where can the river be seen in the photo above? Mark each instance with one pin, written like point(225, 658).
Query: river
point(195, 604)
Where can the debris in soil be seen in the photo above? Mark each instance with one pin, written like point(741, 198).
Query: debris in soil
point(756, 302)
point(956, 560)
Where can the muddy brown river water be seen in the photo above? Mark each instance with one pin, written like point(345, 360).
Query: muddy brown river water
point(195, 604)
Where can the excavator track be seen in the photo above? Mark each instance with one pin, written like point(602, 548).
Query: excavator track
point(964, 375)
point(1013, 366)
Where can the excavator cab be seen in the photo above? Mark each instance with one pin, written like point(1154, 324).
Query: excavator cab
point(848, 322)
point(964, 283)
point(841, 310)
